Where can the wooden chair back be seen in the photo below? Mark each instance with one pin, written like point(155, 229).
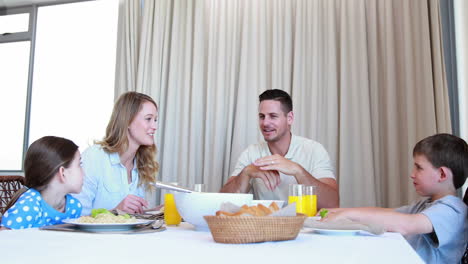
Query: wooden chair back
point(8, 186)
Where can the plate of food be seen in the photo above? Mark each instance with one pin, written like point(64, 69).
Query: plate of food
point(104, 220)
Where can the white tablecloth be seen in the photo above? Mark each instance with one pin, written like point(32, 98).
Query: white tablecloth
point(184, 245)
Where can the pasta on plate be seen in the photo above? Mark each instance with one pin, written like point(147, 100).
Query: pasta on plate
point(102, 216)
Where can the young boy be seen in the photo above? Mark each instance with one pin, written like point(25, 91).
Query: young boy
point(437, 226)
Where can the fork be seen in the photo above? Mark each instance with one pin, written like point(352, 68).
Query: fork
point(157, 224)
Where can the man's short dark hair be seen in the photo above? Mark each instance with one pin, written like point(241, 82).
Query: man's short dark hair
point(278, 95)
point(445, 150)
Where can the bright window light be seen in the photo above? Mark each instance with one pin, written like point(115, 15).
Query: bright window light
point(74, 69)
point(14, 65)
point(461, 33)
point(14, 23)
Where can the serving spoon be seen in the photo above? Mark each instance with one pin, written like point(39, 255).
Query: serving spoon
point(171, 187)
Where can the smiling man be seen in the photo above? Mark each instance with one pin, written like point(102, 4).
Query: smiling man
point(267, 168)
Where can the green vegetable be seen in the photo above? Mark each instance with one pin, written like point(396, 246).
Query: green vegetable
point(96, 212)
point(126, 216)
point(323, 213)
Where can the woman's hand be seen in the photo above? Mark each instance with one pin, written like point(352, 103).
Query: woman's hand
point(157, 208)
point(132, 204)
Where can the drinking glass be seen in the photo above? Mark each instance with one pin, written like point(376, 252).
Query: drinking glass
point(199, 187)
point(296, 195)
point(310, 200)
point(171, 215)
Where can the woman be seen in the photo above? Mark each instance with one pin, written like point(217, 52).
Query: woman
point(119, 168)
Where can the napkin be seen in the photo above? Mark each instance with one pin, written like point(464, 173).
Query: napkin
point(344, 224)
point(289, 210)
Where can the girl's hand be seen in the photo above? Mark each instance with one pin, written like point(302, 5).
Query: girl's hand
point(132, 204)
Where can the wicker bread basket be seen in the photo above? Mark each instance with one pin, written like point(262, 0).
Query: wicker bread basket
point(251, 229)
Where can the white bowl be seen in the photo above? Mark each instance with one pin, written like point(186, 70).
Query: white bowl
point(267, 203)
point(193, 206)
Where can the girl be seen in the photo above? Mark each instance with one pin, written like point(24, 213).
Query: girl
point(52, 170)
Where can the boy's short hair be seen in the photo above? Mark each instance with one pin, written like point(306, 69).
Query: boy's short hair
point(280, 96)
point(445, 150)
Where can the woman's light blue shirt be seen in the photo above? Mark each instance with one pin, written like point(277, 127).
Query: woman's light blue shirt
point(106, 182)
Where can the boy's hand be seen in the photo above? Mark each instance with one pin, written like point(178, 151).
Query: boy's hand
point(333, 214)
point(323, 212)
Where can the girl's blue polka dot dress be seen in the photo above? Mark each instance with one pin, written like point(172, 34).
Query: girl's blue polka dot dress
point(32, 211)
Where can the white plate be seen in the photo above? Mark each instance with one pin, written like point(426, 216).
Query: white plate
point(107, 227)
point(336, 232)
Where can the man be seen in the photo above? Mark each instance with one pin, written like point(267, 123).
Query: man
point(269, 167)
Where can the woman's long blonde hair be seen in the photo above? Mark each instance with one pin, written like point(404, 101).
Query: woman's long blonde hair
point(116, 139)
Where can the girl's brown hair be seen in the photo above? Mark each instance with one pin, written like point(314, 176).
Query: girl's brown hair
point(116, 139)
point(44, 158)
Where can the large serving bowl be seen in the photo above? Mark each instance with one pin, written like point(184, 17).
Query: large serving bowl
point(193, 206)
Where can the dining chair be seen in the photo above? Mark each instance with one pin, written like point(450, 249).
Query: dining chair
point(8, 186)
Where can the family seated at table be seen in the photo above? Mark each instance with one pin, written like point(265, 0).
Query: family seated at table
point(119, 169)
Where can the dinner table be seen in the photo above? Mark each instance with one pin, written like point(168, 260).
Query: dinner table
point(183, 244)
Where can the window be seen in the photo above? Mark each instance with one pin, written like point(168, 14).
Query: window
point(14, 83)
point(14, 23)
point(72, 85)
point(461, 32)
point(15, 49)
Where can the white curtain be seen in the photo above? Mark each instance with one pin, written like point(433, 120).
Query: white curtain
point(366, 77)
point(127, 46)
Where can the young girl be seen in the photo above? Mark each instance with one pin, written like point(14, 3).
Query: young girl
point(52, 171)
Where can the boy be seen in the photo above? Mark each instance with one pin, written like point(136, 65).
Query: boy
point(436, 227)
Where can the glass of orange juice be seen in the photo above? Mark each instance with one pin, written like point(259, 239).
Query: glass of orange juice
point(296, 196)
point(310, 200)
point(171, 215)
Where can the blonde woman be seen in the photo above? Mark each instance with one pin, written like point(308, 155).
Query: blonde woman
point(119, 168)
